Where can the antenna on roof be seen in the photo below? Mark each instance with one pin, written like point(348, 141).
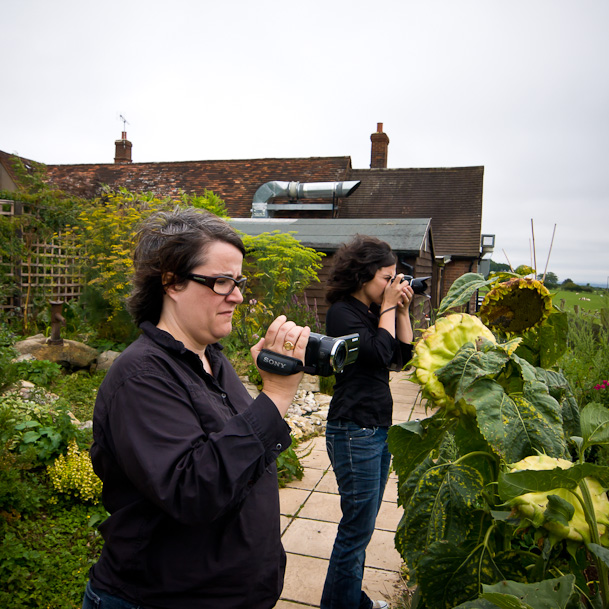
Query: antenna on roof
point(125, 122)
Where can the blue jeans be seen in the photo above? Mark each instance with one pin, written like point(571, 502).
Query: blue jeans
point(360, 459)
point(98, 599)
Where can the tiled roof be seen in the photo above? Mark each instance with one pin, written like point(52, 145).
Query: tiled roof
point(7, 160)
point(451, 197)
point(234, 181)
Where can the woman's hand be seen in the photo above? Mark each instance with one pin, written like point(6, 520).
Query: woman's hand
point(398, 294)
point(281, 334)
point(407, 296)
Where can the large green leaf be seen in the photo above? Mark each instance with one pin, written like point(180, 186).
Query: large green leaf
point(462, 290)
point(442, 507)
point(469, 365)
point(544, 345)
point(547, 594)
point(505, 601)
point(515, 412)
point(600, 552)
point(516, 483)
point(559, 510)
point(411, 442)
point(517, 425)
point(595, 424)
point(406, 489)
point(560, 390)
point(452, 573)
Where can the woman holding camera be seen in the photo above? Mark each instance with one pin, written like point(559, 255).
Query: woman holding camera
point(366, 297)
point(186, 456)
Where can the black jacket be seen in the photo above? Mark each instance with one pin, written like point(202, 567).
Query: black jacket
point(361, 391)
point(190, 481)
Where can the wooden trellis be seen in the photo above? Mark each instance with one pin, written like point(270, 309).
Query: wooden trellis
point(51, 270)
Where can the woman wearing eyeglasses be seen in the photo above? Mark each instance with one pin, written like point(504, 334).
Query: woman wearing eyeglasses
point(186, 456)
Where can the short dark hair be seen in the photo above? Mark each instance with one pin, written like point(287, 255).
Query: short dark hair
point(169, 245)
point(355, 263)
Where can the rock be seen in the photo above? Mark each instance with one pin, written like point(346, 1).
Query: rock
point(71, 353)
point(308, 413)
point(106, 359)
point(309, 383)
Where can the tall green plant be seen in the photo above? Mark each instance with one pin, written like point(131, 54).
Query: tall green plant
point(279, 269)
point(586, 360)
point(106, 232)
point(462, 544)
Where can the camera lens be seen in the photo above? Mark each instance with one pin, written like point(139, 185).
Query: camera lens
point(339, 356)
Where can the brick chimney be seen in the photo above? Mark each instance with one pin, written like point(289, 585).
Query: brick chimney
point(380, 143)
point(123, 150)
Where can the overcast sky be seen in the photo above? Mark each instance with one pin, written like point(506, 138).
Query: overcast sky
point(520, 87)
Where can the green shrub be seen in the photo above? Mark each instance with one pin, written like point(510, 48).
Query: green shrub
point(73, 475)
point(289, 467)
point(39, 372)
point(40, 431)
point(78, 390)
point(45, 561)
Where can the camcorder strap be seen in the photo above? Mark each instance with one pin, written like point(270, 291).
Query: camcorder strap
point(281, 364)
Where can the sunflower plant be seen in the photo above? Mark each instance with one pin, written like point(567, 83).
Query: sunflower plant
point(484, 524)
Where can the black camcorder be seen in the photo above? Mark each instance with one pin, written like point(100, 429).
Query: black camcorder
point(324, 356)
point(418, 284)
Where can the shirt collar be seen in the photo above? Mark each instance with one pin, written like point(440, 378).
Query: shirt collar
point(165, 340)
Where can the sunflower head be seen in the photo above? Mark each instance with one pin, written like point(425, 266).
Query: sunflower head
point(517, 305)
point(437, 346)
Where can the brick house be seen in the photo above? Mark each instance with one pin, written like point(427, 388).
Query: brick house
point(447, 200)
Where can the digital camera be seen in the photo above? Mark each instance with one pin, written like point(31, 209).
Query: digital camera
point(418, 284)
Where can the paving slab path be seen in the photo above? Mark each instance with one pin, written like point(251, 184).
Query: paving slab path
point(310, 512)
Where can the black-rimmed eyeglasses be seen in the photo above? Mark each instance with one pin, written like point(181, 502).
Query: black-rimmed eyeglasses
point(220, 284)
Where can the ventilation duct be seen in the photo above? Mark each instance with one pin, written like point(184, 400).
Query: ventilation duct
point(295, 191)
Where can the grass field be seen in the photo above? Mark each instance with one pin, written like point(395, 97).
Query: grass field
point(598, 299)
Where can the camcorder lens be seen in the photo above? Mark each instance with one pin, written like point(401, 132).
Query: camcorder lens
point(339, 357)
point(328, 355)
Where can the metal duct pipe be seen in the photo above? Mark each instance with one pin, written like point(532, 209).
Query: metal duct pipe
point(296, 190)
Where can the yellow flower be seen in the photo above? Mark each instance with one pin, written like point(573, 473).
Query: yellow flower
point(73, 474)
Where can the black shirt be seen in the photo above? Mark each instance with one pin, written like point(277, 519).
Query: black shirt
point(188, 465)
point(361, 392)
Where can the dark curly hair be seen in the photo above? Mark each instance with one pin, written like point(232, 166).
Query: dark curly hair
point(355, 263)
point(169, 246)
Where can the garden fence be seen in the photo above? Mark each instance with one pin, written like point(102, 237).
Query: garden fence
point(49, 271)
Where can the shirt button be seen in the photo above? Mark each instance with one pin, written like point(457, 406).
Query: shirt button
point(224, 396)
point(279, 446)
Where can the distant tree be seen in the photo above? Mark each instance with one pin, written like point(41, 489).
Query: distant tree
point(498, 266)
point(571, 286)
point(551, 279)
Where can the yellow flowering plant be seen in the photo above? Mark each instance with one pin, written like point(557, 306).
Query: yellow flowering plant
point(72, 474)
